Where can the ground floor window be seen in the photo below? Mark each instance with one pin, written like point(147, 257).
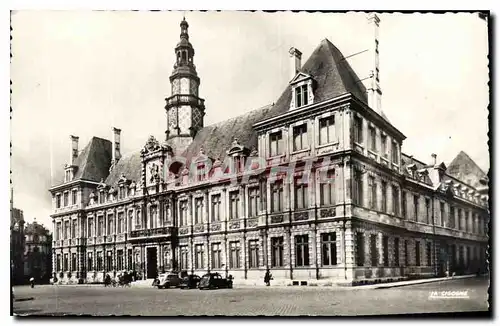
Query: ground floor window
point(385, 246)
point(373, 250)
point(216, 255)
point(253, 253)
point(198, 262)
point(302, 250)
point(234, 258)
point(183, 261)
point(119, 260)
point(129, 260)
point(417, 253)
point(429, 253)
point(328, 249)
point(360, 249)
point(99, 261)
point(396, 252)
point(73, 262)
point(277, 252)
point(65, 263)
point(407, 257)
point(58, 264)
point(90, 262)
point(109, 261)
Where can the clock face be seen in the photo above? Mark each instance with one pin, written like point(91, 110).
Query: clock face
point(184, 86)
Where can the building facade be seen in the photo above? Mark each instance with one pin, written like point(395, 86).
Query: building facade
point(37, 253)
point(16, 244)
point(314, 187)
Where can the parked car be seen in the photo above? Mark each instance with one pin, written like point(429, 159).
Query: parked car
point(214, 281)
point(167, 280)
point(190, 281)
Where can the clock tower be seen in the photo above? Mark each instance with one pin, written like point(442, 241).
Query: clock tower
point(185, 110)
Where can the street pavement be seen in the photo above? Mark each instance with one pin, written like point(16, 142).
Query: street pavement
point(267, 301)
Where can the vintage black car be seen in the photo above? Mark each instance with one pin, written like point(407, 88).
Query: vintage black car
point(190, 282)
point(215, 281)
point(168, 280)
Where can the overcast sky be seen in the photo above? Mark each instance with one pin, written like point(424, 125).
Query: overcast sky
point(82, 73)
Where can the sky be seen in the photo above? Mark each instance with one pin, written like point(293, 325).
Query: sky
point(83, 72)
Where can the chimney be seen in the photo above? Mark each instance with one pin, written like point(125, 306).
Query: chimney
point(116, 145)
point(374, 90)
point(74, 149)
point(295, 61)
point(434, 159)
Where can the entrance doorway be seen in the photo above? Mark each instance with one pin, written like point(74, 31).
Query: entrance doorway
point(152, 270)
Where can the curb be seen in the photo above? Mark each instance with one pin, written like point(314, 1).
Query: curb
point(407, 283)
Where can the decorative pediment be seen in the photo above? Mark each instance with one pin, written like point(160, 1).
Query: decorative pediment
point(238, 149)
point(152, 145)
point(300, 76)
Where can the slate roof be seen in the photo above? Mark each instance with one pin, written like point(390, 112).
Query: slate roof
point(94, 161)
point(129, 165)
point(407, 160)
point(465, 169)
point(333, 76)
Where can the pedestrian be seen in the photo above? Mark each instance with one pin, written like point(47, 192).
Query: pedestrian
point(268, 277)
point(32, 282)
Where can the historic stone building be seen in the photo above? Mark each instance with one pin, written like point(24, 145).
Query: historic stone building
point(37, 253)
point(16, 242)
point(314, 187)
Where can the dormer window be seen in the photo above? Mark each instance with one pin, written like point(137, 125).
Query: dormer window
point(301, 96)
point(101, 197)
point(68, 175)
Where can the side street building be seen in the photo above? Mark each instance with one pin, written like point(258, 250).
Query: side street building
point(37, 253)
point(313, 187)
point(16, 242)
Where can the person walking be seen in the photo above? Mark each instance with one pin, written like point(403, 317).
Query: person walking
point(32, 282)
point(268, 277)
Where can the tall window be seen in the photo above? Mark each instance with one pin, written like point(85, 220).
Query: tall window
point(101, 197)
point(403, 206)
point(65, 263)
point(417, 253)
point(358, 130)
point(109, 261)
point(58, 201)
point(460, 216)
point(58, 263)
point(130, 220)
point(73, 261)
point(130, 264)
point(358, 188)
point(373, 250)
point(327, 189)
point(119, 260)
point(300, 194)
point(384, 196)
point(451, 218)
point(234, 257)
point(301, 96)
point(100, 226)
point(253, 201)
point(138, 218)
point(300, 137)
point(90, 262)
point(395, 156)
point(253, 253)
point(276, 143)
point(395, 200)
point(74, 194)
point(384, 145)
point(396, 252)
point(277, 196)
point(372, 192)
point(216, 256)
point(66, 230)
point(111, 222)
point(415, 207)
point(385, 247)
point(360, 249)
point(234, 203)
point(277, 252)
point(442, 213)
point(198, 262)
point(119, 226)
point(66, 198)
point(73, 228)
point(327, 130)
point(183, 261)
point(428, 253)
point(90, 223)
point(99, 261)
point(428, 210)
point(121, 192)
point(302, 250)
point(198, 213)
point(407, 257)
point(328, 249)
point(216, 208)
point(183, 207)
point(373, 138)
